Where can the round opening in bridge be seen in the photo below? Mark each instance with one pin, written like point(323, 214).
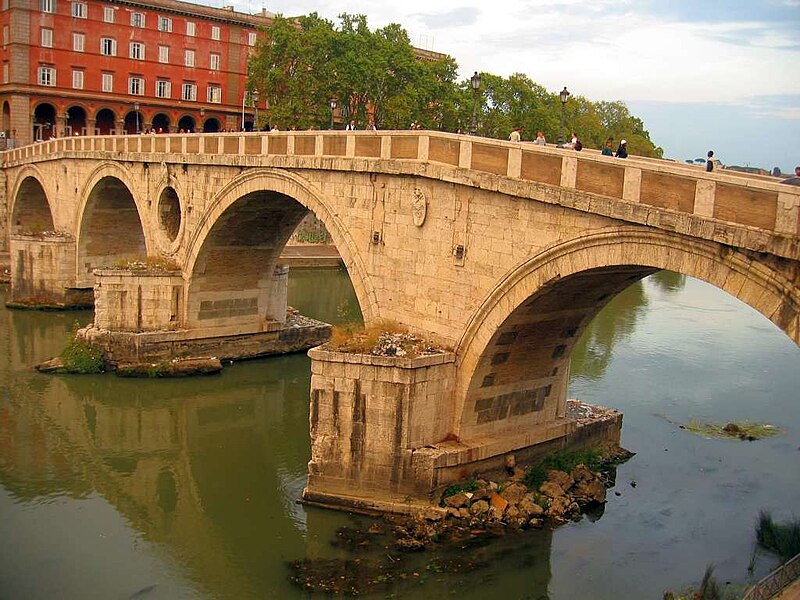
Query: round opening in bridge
point(169, 213)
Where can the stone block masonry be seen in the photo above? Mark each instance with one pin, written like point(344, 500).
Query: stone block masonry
point(380, 433)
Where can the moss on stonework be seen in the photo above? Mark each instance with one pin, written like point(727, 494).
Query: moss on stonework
point(81, 357)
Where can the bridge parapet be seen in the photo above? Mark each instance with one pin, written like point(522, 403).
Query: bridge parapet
point(746, 212)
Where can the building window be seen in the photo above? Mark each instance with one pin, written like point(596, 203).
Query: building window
point(108, 14)
point(108, 46)
point(77, 80)
point(189, 61)
point(136, 86)
point(108, 82)
point(78, 42)
point(190, 28)
point(47, 38)
point(163, 54)
point(163, 88)
point(189, 91)
point(79, 10)
point(164, 24)
point(214, 94)
point(215, 32)
point(213, 62)
point(47, 76)
point(5, 35)
point(48, 6)
point(251, 38)
point(137, 50)
point(137, 19)
point(5, 72)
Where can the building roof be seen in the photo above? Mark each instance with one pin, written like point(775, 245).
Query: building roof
point(227, 13)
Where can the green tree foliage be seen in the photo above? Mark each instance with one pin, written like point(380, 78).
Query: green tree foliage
point(303, 63)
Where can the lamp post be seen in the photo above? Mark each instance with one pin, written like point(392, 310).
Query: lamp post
point(254, 99)
point(476, 86)
point(244, 101)
point(564, 95)
point(202, 118)
point(333, 109)
point(136, 112)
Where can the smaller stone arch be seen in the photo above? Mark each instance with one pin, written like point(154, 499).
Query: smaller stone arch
point(30, 211)
point(110, 222)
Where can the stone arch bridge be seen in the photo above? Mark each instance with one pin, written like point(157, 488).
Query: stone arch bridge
point(500, 252)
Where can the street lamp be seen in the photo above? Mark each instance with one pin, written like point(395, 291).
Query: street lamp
point(476, 86)
point(244, 102)
point(254, 98)
point(332, 103)
point(136, 112)
point(564, 95)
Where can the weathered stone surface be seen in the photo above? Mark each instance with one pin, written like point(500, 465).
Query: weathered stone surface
point(529, 507)
point(588, 491)
point(457, 500)
point(564, 480)
point(514, 492)
point(559, 506)
point(480, 507)
point(581, 473)
point(171, 368)
point(551, 490)
point(498, 502)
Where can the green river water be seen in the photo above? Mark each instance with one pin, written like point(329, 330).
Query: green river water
point(117, 488)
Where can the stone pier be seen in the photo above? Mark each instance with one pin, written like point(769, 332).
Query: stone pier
point(380, 433)
point(43, 272)
point(138, 318)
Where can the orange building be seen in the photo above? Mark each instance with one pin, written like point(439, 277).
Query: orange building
point(85, 67)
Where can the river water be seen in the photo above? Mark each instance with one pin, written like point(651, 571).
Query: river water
point(170, 489)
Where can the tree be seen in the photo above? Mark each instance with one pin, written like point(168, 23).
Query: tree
point(301, 64)
point(289, 70)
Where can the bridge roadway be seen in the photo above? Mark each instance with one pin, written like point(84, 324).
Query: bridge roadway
point(500, 252)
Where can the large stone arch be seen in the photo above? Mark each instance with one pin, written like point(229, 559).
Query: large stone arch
point(31, 207)
point(109, 223)
point(514, 355)
point(291, 186)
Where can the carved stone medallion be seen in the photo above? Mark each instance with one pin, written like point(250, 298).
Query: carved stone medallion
point(419, 207)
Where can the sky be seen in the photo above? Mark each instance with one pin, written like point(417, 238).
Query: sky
point(701, 74)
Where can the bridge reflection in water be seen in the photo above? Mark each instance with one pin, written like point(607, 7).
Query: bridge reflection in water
point(187, 489)
point(205, 474)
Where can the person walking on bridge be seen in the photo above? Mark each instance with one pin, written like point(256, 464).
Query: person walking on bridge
point(710, 161)
point(622, 150)
point(515, 136)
